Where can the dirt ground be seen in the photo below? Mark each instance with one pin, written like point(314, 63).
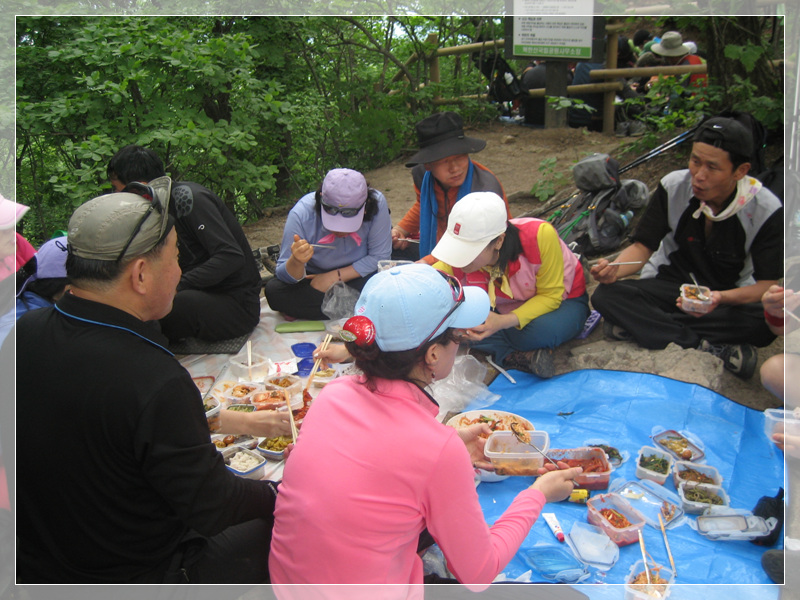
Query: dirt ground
point(515, 153)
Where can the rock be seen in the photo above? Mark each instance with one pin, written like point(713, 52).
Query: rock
point(508, 139)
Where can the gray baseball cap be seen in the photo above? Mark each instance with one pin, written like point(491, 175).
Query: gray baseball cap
point(127, 223)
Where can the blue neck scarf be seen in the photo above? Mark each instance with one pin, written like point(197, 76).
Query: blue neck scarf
point(429, 208)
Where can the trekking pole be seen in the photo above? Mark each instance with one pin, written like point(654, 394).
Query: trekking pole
point(669, 144)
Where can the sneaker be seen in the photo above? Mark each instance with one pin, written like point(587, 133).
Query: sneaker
point(772, 563)
point(615, 332)
point(622, 129)
point(538, 362)
point(739, 359)
point(637, 129)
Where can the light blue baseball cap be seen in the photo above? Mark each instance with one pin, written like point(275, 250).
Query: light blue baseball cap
point(411, 304)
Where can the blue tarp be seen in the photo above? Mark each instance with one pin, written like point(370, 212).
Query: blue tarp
point(623, 408)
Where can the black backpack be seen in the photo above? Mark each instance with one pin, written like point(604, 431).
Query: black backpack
point(595, 220)
point(504, 86)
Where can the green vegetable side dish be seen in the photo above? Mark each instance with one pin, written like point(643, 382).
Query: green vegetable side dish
point(276, 444)
point(654, 463)
point(242, 407)
point(702, 496)
point(612, 453)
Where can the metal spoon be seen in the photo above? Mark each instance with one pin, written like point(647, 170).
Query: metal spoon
point(700, 295)
point(525, 438)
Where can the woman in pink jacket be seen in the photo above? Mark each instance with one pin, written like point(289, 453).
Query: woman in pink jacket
point(373, 468)
point(535, 282)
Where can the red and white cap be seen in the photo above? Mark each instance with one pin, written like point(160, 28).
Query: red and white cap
point(475, 220)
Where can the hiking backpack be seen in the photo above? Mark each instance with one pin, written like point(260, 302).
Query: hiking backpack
point(596, 219)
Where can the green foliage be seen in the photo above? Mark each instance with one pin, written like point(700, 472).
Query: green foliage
point(564, 103)
point(550, 181)
point(747, 55)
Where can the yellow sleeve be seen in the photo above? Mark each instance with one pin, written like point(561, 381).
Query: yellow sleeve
point(549, 279)
point(439, 265)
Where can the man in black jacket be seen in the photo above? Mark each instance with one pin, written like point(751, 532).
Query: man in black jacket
point(124, 485)
point(219, 292)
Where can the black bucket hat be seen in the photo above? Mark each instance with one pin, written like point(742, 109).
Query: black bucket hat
point(442, 135)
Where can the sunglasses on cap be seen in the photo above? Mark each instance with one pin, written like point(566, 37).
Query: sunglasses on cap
point(149, 194)
point(345, 212)
point(458, 298)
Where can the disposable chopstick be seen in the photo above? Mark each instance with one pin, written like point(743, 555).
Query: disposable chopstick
point(323, 347)
point(291, 416)
point(321, 245)
point(408, 240)
point(249, 360)
point(791, 314)
point(633, 262)
point(666, 543)
point(644, 557)
point(500, 370)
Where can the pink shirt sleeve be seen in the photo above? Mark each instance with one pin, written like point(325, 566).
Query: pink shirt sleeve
point(475, 552)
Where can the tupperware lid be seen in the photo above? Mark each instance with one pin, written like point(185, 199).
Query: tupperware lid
point(304, 349)
point(304, 367)
point(555, 564)
point(592, 546)
point(651, 501)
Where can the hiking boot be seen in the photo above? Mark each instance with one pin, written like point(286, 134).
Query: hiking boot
point(622, 129)
point(739, 359)
point(637, 129)
point(538, 362)
point(615, 332)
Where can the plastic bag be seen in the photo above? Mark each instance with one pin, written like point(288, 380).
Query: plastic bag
point(463, 389)
point(340, 301)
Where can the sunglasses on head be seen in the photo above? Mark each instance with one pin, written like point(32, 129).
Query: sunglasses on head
point(149, 194)
point(345, 212)
point(458, 298)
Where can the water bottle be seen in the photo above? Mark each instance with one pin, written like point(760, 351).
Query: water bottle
point(626, 217)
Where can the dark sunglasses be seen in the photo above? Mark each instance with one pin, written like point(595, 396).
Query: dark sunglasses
point(345, 212)
point(458, 299)
point(149, 194)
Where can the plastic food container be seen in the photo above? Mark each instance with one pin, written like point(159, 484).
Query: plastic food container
point(678, 446)
point(695, 508)
point(690, 300)
point(555, 564)
point(304, 367)
point(733, 527)
point(241, 407)
point(256, 371)
point(592, 546)
point(651, 502)
point(325, 376)
point(291, 383)
point(657, 589)
point(597, 480)
point(388, 264)
point(212, 406)
point(277, 453)
point(204, 384)
point(253, 471)
point(240, 393)
point(509, 456)
point(644, 472)
point(222, 441)
point(274, 399)
point(620, 536)
point(776, 420)
point(680, 468)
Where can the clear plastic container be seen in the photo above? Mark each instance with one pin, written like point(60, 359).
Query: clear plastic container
point(657, 589)
point(651, 502)
point(778, 420)
point(592, 546)
point(696, 508)
point(222, 441)
point(252, 472)
point(274, 398)
point(733, 527)
point(596, 480)
point(644, 472)
point(682, 466)
point(509, 456)
point(555, 564)
point(690, 301)
point(291, 383)
point(388, 264)
point(678, 446)
point(213, 407)
point(621, 536)
point(257, 370)
point(240, 393)
point(241, 407)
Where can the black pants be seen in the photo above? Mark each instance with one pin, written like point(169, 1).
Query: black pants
point(646, 309)
point(210, 316)
point(300, 300)
point(237, 555)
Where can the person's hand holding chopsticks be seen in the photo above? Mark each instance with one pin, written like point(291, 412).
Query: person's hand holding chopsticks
point(334, 353)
